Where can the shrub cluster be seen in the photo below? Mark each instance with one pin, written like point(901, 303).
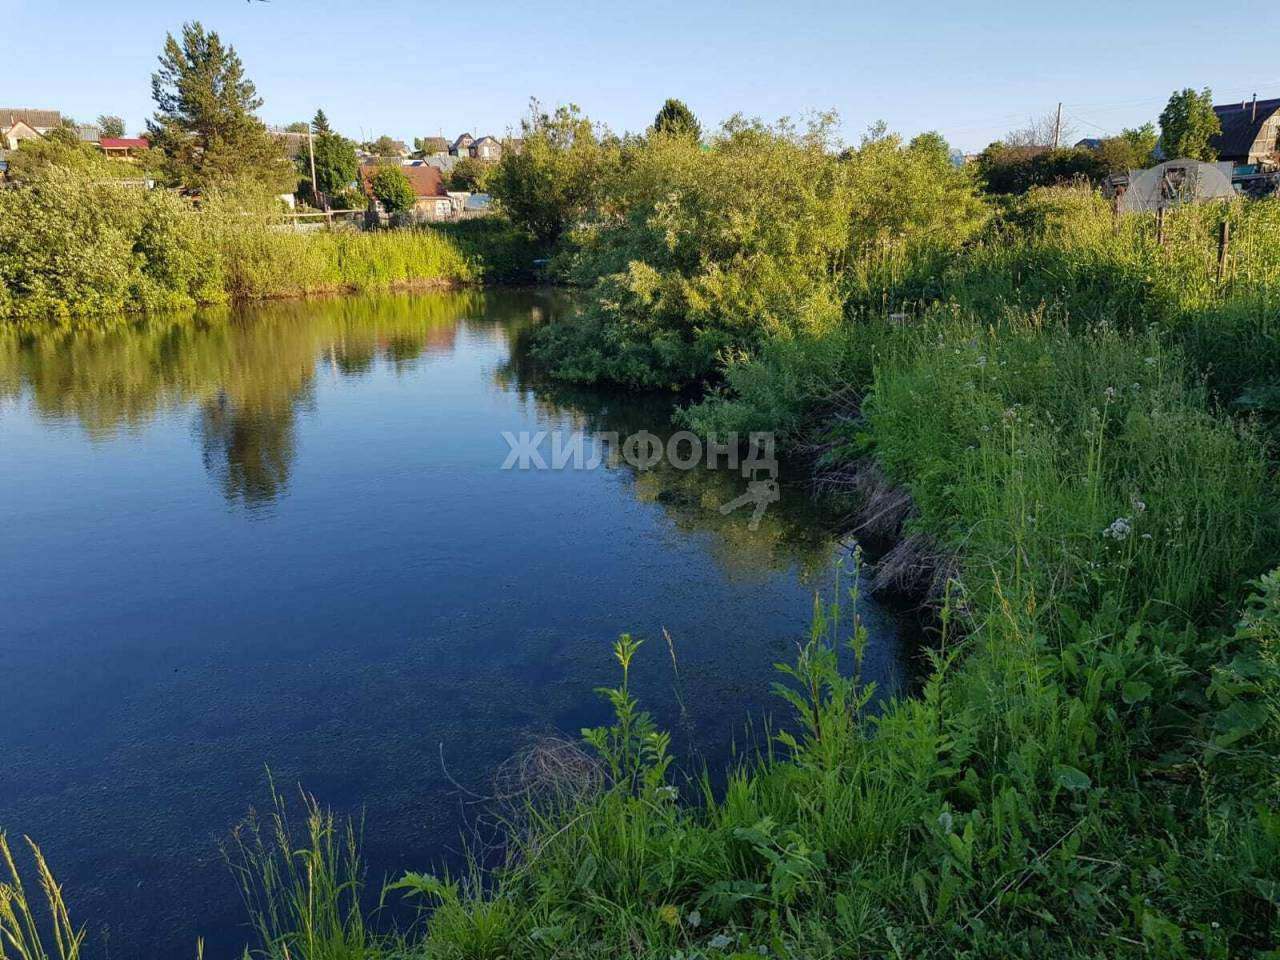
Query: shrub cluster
point(698, 253)
point(73, 244)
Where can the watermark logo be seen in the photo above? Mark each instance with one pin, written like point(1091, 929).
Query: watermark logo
point(753, 456)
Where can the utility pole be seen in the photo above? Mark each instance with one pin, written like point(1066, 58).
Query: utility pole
point(1057, 126)
point(311, 150)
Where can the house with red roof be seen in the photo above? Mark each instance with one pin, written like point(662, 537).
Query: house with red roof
point(431, 200)
point(123, 148)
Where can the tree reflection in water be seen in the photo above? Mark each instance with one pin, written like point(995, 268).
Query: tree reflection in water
point(248, 373)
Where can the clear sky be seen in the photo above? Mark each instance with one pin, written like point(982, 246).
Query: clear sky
point(971, 70)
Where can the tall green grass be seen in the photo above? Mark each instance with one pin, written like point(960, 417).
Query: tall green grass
point(266, 261)
point(31, 929)
point(301, 888)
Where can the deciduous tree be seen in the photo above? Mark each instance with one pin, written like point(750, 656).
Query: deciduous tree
point(552, 182)
point(1188, 124)
point(392, 189)
point(467, 174)
point(384, 146)
point(110, 126)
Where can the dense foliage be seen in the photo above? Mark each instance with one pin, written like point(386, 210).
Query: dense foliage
point(699, 253)
point(1188, 124)
point(335, 162)
point(205, 123)
point(63, 148)
point(551, 182)
point(675, 119)
point(69, 245)
point(467, 174)
point(75, 244)
point(1008, 169)
point(391, 188)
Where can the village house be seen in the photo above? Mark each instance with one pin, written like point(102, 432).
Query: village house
point(487, 148)
point(431, 200)
point(15, 133)
point(18, 124)
point(123, 148)
point(462, 146)
point(1250, 132)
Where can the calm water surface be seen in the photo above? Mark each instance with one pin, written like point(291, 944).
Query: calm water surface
point(281, 537)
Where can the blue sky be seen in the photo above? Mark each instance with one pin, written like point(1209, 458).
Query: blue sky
point(970, 70)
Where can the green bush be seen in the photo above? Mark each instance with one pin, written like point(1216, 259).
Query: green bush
point(72, 245)
point(699, 255)
point(77, 247)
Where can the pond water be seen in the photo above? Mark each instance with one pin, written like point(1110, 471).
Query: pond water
point(282, 537)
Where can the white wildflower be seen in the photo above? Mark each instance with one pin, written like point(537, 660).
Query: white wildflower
point(694, 919)
point(719, 942)
point(945, 821)
point(1120, 529)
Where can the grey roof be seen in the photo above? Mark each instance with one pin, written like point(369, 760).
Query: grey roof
point(1090, 143)
point(32, 118)
point(1241, 125)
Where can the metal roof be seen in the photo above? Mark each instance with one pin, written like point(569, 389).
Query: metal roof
point(1241, 124)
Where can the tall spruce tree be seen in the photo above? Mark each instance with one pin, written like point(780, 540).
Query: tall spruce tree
point(335, 159)
point(676, 119)
point(205, 123)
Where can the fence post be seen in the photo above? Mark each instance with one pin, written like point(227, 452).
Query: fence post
point(1224, 242)
point(1160, 225)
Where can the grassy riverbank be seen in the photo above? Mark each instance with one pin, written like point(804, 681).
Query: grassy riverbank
point(1090, 768)
point(71, 247)
point(1065, 423)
